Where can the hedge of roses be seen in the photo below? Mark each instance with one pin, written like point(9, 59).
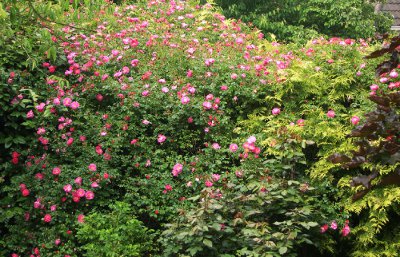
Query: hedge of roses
point(196, 127)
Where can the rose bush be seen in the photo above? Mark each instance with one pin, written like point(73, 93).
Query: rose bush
point(206, 130)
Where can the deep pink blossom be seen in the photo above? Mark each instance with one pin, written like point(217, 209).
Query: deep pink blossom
point(41, 131)
point(324, 228)
point(56, 171)
point(355, 120)
point(208, 183)
point(345, 230)
point(47, 218)
point(25, 192)
point(70, 141)
point(80, 192)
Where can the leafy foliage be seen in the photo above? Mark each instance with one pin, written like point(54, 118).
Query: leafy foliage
point(375, 163)
point(116, 233)
point(300, 21)
point(190, 123)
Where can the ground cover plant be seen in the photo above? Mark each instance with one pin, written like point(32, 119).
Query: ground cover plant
point(189, 128)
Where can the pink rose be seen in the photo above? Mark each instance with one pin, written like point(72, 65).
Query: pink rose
point(251, 140)
point(92, 167)
point(215, 177)
point(67, 101)
point(80, 192)
point(67, 188)
point(30, 115)
point(56, 171)
point(207, 105)
point(89, 195)
point(161, 138)
point(70, 141)
point(208, 183)
point(355, 120)
point(25, 192)
point(78, 180)
point(346, 230)
point(276, 111)
point(185, 100)
point(334, 225)
point(233, 147)
point(330, 114)
point(177, 169)
point(47, 218)
point(81, 218)
point(74, 105)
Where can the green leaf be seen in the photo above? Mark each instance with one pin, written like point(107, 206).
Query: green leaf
point(208, 243)
point(283, 250)
point(312, 224)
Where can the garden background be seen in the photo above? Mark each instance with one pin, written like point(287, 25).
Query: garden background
point(193, 128)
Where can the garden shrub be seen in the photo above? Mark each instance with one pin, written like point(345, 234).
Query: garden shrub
point(300, 21)
point(369, 173)
point(116, 233)
point(195, 124)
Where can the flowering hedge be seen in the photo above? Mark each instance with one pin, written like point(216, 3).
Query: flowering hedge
point(203, 129)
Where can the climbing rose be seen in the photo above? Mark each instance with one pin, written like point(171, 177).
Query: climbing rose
point(251, 140)
point(216, 177)
point(47, 218)
point(56, 171)
point(92, 167)
point(67, 101)
point(74, 105)
point(30, 115)
point(89, 195)
point(161, 138)
point(233, 147)
point(67, 188)
point(276, 111)
point(177, 169)
point(324, 228)
point(185, 100)
point(330, 114)
point(345, 230)
point(208, 183)
point(334, 225)
point(81, 218)
point(25, 192)
point(355, 120)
